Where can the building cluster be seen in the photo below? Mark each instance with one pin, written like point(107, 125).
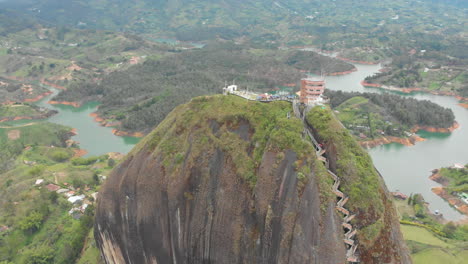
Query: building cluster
point(311, 92)
point(79, 202)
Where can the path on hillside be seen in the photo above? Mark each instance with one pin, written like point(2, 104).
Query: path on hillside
point(24, 125)
point(349, 231)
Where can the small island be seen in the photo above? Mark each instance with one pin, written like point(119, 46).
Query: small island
point(377, 119)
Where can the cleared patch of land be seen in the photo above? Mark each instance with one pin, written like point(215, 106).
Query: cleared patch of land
point(14, 134)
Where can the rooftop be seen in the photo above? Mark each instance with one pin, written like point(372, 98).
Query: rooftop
point(314, 79)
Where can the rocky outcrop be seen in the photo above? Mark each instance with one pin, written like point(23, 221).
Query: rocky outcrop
point(222, 180)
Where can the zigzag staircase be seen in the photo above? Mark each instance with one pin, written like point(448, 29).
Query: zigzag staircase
point(349, 232)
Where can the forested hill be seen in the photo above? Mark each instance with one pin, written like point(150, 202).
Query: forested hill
point(143, 95)
point(404, 110)
point(347, 23)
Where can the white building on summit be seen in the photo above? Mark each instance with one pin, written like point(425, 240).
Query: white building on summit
point(229, 89)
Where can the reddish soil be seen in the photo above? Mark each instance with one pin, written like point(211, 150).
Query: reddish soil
point(14, 134)
point(364, 83)
point(342, 73)
point(97, 118)
point(134, 60)
point(464, 105)
point(411, 141)
point(6, 119)
point(43, 81)
point(79, 153)
point(442, 192)
point(104, 122)
point(436, 129)
point(453, 200)
point(127, 134)
point(438, 178)
point(37, 98)
point(116, 155)
point(74, 104)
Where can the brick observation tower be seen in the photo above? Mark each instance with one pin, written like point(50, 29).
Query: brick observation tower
point(311, 89)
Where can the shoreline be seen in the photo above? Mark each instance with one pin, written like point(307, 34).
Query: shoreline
point(36, 117)
point(74, 104)
point(450, 129)
point(79, 153)
point(463, 100)
point(464, 105)
point(410, 141)
point(43, 81)
point(127, 134)
point(357, 61)
point(454, 201)
point(342, 73)
point(103, 122)
point(37, 98)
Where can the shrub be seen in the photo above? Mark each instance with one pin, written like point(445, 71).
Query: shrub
point(111, 162)
point(36, 170)
point(32, 222)
point(60, 155)
point(84, 161)
point(42, 254)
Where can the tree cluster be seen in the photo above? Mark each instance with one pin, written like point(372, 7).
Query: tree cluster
point(408, 111)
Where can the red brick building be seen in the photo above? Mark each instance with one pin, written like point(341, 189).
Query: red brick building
point(311, 89)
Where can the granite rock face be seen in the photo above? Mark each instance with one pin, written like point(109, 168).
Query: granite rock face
point(219, 182)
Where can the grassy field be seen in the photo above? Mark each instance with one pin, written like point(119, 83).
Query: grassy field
point(43, 133)
point(437, 256)
point(421, 235)
point(17, 110)
point(429, 249)
point(403, 208)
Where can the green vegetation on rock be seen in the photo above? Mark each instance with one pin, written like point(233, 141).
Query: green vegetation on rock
point(360, 181)
point(227, 122)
